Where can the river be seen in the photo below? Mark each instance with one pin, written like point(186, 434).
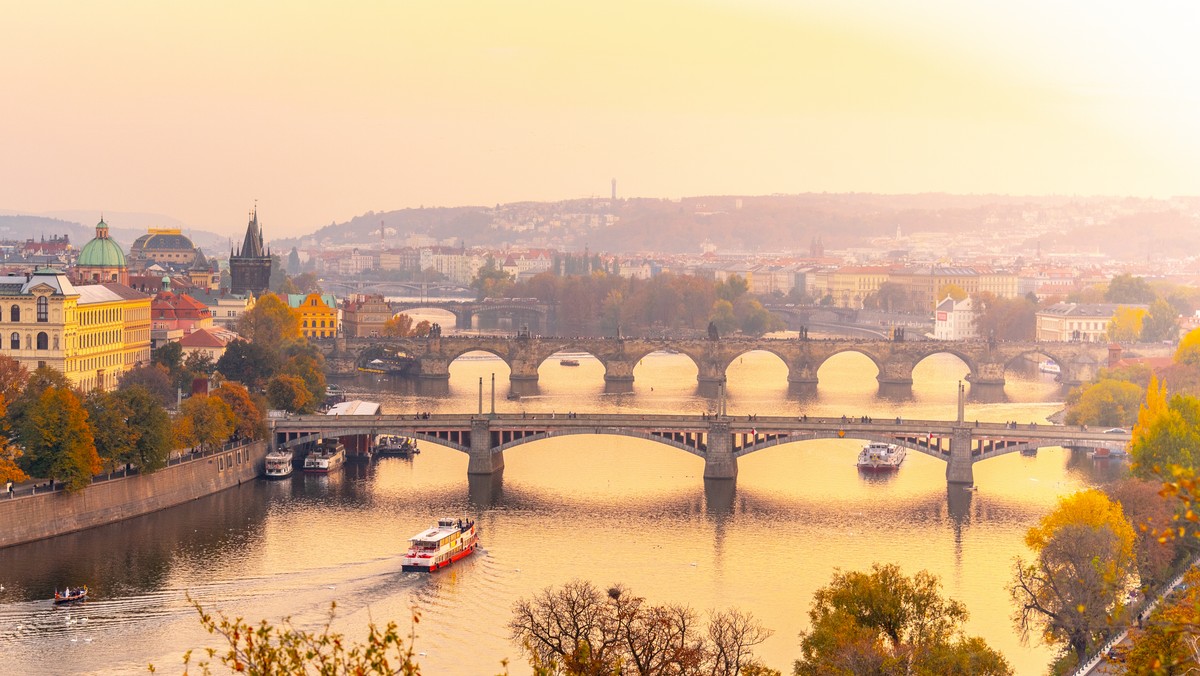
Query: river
point(603, 508)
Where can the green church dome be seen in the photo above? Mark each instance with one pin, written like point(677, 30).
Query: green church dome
point(101, 251)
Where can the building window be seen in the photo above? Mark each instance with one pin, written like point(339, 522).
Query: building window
point(43, 309)
point(15, 313)
point(43, 341)
point(304, 324)
point(14, 341)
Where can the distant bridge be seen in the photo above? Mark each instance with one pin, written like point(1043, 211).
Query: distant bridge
point(719, 440)
point(986, 362)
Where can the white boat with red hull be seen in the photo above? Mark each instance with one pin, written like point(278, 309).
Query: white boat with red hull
point(441, 545)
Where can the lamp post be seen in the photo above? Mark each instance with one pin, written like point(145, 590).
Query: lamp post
point(493, 395)
point(480, 395)
point(961, 401)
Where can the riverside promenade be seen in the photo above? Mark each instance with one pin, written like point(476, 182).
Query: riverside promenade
point(34, 513)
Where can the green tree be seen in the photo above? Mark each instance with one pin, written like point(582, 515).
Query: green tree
point(289, 393)
point(889, 297)
point(722, 315)
point(1070, 593)
point(251, 364)
point(270, 322)
point(884, 622)
point(155, 378)
point(13, 377)
point(492, 281)
point(733, 288)
point(309, 369)
point(1160, 323)
point(754, 319)
point(1167, 432)
point(151, 428)
point(169, 355)
point(307, 282)
point(204, 421)
point(1129, 289)
point(108, 417)
point(58, 440)
point(1004, 318)
point(1107, 403)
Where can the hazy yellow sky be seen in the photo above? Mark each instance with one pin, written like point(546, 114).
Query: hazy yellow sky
point(322, 111)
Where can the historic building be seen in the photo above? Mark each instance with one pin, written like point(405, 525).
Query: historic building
point(250, 266)
point(174, 315)
point(101, 260)
point(166, 246)
point(364, 316)
point(92, 333)
point(204, 274)
point(1078, 322)
point(318, 314)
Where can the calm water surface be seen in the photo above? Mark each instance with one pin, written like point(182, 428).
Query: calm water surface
point(604, 508)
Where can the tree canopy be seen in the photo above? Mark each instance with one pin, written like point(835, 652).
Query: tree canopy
point(1076, 583)
point(58, 440)
point(270, 322)
point(884, 622)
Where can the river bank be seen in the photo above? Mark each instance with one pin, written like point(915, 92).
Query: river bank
point(46, 514)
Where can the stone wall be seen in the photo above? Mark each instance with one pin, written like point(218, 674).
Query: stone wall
point(35, 517)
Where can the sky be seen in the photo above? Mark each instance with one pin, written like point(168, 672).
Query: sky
point(322, 111)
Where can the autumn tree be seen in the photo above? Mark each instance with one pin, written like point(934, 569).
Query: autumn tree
point(249, 422)
point(722, 315)
point(399, 326)
point(1167, 432)
point(289, 393)
point(884, 622)
point(204, 421)
point(1188, 351)
point(579, 629)
point(422, 329)
point(58, 440)
point(1107, 403)
point(150, 426)
point(270, 322)
point(952, 290)
point(35, 384)
point(1126, 324)
point(1169, 644)
point(1150, 514)
point(13, 377)
point(1070, 593)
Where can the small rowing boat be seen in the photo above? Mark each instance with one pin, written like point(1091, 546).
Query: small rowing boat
point(71, 595)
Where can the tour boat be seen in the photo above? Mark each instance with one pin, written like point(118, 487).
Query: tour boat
point(880, 456)
point(1029, 452)
point(400, 447)
point(1049, 366)
point(441, 545)
point(280, 464)
point(568, 362)
point(335, 392)
point(326, 457)
point(71, 595)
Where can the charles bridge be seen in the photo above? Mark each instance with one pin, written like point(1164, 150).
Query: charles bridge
point(895, 360)
point(719, 439)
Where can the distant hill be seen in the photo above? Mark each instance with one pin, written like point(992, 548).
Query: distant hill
point(80, 226)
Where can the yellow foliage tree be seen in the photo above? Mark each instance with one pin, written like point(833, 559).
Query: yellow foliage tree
point(399, 326)
point(1188, 351)
point(1074, 588)
point(1126, 324)
point(1151, 411)
point(953, 290)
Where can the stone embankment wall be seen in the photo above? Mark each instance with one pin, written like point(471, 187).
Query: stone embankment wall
point(34, 517)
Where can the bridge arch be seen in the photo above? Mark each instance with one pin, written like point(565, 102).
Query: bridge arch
point(1058, 357)
point(697, 451)
point(853, 349)
point(382, 429)
point(773, 440)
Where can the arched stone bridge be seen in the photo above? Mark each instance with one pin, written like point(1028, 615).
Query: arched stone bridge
point(1079, 362)
point(720, 440)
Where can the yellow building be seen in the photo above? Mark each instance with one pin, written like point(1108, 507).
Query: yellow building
point(849, 285)
point(93, 334)
point(318, 314)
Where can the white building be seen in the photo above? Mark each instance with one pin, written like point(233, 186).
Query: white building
point(954, 320)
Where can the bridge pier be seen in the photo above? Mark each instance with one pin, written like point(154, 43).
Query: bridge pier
point(483, 459)
point(959, 468)
point(988, 373)
point(719, 461)
point(618, 370)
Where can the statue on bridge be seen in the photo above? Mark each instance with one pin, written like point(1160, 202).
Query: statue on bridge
point(712, 331)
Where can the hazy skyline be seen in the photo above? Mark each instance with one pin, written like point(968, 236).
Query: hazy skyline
point(323, 112)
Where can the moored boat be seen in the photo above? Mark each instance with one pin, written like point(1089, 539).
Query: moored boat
point(1048, 366)
point(878, 456)
point(71, 595)
point(279, 464)
point(441, 545)
point(568, 362)
point(395, 446)
point(326, 457)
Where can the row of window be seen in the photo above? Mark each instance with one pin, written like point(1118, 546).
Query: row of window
point(43, 341)
point(43, 311)
point(304, 324)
